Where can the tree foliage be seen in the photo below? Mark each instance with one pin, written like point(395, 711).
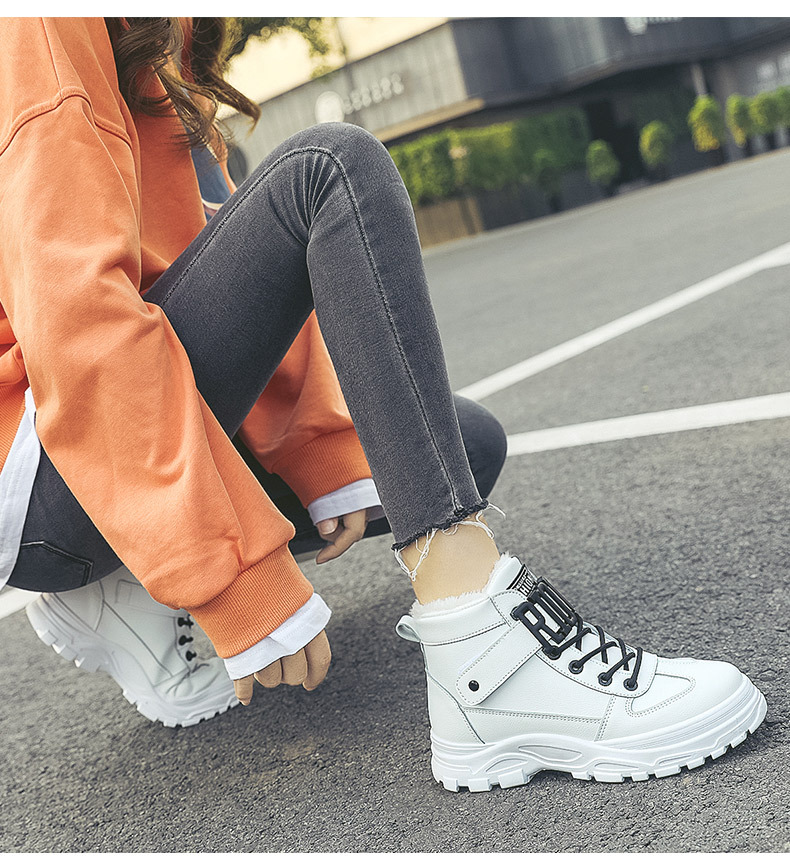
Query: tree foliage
point(312, 30)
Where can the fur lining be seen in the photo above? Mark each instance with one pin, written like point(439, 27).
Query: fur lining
point(442, 605)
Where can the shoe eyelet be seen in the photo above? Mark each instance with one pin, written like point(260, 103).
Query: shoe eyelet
point(604, 680)
point(551, 653)
point(629, 685)
point(575, 667)
point(474, 686)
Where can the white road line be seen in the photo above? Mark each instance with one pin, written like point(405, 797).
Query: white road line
point(579, 344)
point(770, 407)
point(13, 600)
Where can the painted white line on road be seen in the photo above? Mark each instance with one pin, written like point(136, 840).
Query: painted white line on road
point(593, 338)
point(770, 407)
point(13, 600)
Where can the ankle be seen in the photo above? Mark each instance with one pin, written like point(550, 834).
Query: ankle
point(452, 561)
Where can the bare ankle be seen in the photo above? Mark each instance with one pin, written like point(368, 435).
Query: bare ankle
point(452, 561)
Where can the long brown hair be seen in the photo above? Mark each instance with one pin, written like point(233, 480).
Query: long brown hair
point(148, 47)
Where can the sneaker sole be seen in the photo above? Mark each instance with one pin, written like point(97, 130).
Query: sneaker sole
point(516, 761)
point(45, 624)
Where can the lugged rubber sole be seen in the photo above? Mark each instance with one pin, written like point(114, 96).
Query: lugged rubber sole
point(112, 661)
point(517, 760)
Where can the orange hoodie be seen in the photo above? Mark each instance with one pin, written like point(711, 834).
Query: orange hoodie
point(94, 205)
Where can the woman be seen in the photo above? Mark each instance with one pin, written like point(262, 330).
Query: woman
point(145, 338)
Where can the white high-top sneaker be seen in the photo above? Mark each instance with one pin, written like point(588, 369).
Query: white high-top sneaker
point(115, 626)
point(517, 683)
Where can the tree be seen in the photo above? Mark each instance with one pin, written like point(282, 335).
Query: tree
point(602, 165)
point(655, 145)
point(739, 120)
point(765, 111)
point(312, 30)
point(707, 127)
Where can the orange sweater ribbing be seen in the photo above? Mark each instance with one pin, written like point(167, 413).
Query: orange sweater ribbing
point(94, 205)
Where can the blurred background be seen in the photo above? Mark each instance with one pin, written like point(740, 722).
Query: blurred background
point(493, 121)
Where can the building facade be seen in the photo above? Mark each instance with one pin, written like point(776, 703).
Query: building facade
point(477, 71)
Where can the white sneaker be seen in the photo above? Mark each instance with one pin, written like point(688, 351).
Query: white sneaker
point(517, 683)
point(115, 626)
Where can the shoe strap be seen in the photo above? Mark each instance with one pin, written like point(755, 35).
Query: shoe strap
point(496, 665)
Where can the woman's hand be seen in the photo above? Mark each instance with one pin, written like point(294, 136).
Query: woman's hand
point(341, 533)
point(307, 667)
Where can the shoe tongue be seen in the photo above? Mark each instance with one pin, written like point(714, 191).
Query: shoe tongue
point(510, 574)
point(544, 607)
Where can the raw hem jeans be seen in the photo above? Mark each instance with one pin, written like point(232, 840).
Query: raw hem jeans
point(323, 222)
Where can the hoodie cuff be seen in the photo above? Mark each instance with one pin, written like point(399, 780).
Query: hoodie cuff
point(294, 634)
point(255, 604)
point(323, 465)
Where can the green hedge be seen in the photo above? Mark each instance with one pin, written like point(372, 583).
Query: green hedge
point(455, 161)
point(484, 158)
point(426, 167)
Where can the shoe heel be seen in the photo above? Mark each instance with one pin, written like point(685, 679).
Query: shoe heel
point(88, 663)
point(479, 768)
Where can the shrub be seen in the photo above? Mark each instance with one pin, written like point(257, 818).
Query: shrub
point(707, 124)
point(602, 165)
point(765, 112)
point(655, 144)
point(546, 172)
point(739, 118)
point(783, 99)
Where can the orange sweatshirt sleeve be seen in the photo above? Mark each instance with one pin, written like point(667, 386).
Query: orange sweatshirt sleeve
point(300, 428)
point(118, 411)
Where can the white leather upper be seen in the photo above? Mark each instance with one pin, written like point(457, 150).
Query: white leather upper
point(494, 680)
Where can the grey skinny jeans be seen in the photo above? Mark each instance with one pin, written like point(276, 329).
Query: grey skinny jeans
point(324, 221)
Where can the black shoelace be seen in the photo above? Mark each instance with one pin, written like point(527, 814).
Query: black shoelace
point(544, 599)
point(183, 639)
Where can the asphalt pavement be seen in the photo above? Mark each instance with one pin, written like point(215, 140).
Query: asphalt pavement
point(677, 542)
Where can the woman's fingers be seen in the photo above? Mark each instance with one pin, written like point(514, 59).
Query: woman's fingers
point(352, 529)
point(307, 667)
point(271, 676)
point(294, 668)
point(327, 527)
point(243, 689)
point(319, 656)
